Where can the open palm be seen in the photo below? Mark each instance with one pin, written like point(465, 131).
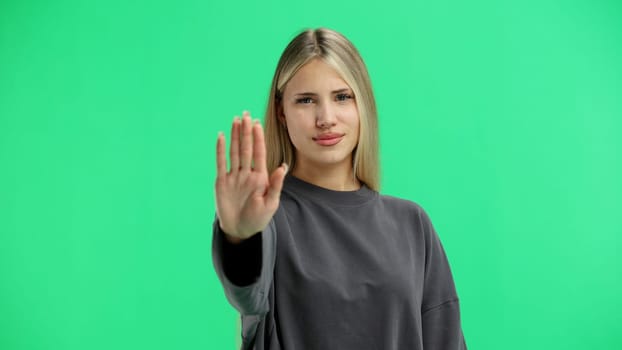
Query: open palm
point(246, 197)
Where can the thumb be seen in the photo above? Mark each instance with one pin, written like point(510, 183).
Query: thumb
point(276, 183)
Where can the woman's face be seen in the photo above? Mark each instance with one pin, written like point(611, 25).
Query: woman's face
point(321, 117)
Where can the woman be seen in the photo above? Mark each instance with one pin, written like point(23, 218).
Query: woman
point(318, 259)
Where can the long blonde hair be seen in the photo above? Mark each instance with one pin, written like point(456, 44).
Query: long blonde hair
point(338, 52)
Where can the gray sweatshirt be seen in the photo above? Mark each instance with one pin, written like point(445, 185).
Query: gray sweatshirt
point(341, 270)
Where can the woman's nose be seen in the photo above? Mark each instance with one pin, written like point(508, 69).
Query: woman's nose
point(325, 116)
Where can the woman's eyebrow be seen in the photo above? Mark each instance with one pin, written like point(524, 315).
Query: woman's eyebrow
point(341, 90)
point(315, 94)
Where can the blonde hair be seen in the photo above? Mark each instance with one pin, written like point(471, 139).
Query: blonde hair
point(338, 52)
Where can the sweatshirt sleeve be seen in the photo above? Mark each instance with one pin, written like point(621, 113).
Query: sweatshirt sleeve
point(246, 284)
point(440, 308)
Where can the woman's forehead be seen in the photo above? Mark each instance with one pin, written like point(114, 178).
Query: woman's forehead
point(316, 77)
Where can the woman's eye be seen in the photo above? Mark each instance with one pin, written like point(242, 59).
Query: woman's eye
point(343, 97)
point(304, 100)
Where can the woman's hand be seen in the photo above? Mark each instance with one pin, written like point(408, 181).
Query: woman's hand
point(246, 198)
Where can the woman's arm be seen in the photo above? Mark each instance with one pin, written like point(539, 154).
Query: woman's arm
point(246, 269)
point(440, 309)
point(244, 247)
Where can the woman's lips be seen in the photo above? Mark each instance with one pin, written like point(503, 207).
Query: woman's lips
point(328, 139)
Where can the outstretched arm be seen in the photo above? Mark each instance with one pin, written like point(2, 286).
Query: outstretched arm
point(246, 200)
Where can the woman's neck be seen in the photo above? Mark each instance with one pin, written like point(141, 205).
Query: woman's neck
point(336, 178)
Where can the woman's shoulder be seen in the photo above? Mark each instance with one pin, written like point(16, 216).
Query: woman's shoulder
point(404, 208)
point(400, 203)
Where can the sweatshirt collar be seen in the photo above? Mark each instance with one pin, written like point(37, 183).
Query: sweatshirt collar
point(321, 194)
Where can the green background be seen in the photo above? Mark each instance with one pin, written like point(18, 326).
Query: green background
point(503, 119)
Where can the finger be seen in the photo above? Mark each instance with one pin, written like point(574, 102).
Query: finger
point(276, 184)
point(246, 145)
point(221, 159)
point(234, 148)
point(259, 147)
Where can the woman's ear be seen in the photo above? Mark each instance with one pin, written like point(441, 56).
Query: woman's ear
point(280, 115)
